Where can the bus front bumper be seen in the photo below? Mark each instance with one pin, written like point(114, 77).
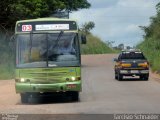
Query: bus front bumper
point(57, 87)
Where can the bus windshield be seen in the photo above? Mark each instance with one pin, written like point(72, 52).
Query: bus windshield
point(47, 50)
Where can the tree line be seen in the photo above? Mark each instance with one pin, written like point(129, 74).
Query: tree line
point(151, 43)
point(153, 29)
point(13, 10)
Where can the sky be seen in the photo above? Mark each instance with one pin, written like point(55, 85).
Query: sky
point(118, 20)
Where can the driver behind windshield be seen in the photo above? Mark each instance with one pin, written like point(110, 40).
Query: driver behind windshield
point(55, 48)
point(65, 47)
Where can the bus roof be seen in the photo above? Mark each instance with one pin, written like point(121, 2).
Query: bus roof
point(45, 19)
point(45, 24)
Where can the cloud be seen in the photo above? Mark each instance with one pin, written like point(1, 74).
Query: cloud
point(118, 20)
point(136, 3)
point(102, 3)
point(132, 28)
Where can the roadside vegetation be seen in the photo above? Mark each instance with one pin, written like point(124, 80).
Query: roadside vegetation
point(6, 58)
point(151, 43)
point(95, 46)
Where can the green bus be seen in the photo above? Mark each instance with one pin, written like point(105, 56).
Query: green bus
point(48, 58)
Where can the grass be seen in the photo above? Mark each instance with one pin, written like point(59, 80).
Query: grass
point(151, 49)
point(95, 46)
point(6, 72)
point(6, 58)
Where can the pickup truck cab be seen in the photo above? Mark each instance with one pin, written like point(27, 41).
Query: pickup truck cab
point(131, 63)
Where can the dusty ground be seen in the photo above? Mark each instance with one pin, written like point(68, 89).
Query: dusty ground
point(101, 93)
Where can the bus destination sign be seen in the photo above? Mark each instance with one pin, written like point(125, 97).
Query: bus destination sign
point(46, 26)
point(52, 27)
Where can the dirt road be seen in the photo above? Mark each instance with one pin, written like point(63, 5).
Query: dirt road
point(101, 93)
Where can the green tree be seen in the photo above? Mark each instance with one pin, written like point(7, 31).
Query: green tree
point(13, 10)
point(151, 43)
point(153, 29)
point(110, 43)
point(87, 27)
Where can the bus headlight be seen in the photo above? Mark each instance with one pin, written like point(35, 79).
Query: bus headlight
point(73, 78)
point(22, 80)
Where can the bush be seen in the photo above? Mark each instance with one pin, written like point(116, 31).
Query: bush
point(95, 46)
point(151, 49)
point(6, 57)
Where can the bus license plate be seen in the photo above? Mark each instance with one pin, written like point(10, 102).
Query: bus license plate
point(71, 86)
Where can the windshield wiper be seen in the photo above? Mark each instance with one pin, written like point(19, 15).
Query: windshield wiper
point(54, 46)
point(58, 38)
point(30, 49)
point(56, 42)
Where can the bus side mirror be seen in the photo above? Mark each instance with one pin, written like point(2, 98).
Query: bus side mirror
point(83, 39)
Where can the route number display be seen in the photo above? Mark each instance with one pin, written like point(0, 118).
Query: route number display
point(26, 28)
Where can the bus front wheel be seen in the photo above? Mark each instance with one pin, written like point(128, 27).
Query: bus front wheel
point(24, 98)
point(74, 95)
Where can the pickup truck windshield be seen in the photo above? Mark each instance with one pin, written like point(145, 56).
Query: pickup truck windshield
point(132, 55)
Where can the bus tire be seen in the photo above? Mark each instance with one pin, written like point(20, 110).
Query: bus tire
point(75, 96)
point(24, 98)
